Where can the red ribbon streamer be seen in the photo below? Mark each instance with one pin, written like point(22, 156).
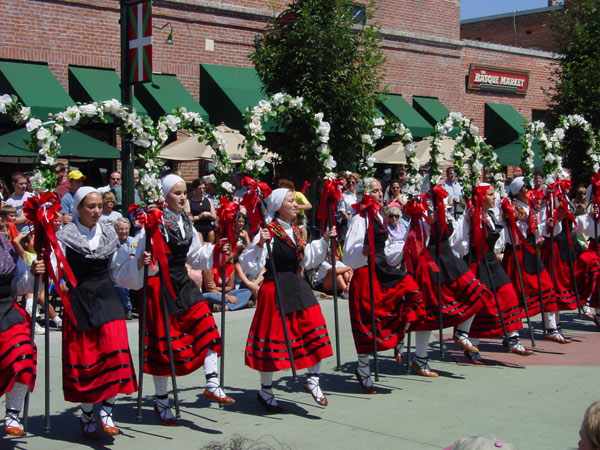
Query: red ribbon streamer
point(226, 212)
point(255, 192)
point(510, 216)
point(151, 218)
point(305, 186)
point(331, 194)
point(559, 190)
point(368, 208)
point(535, 199)
point(415, 248)
point(595, 197)
point(479, 221)
point(43, 210)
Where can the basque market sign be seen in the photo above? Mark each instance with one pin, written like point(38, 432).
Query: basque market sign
point(482, 78)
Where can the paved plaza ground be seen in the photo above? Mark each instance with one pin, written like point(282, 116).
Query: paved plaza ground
point(536, 403)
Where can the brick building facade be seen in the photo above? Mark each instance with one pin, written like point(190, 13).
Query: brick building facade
point(428, 52)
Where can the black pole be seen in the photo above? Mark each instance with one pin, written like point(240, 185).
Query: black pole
point(439, 279)
point(47, 357)
point(567, 229)
point(142, 311)
point(36, 289)
point(126, 144)
point(408, 352)
point(372, 299)
point(170, 350)
point(278, 301)
point(597, 249)
point(539, 280)
point(223, 306)
point(335, 296)
point(521, 284)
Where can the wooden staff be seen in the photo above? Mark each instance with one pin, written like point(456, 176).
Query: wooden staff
point(521, 284)
point(47, 356)
point(439, 279)
point(372, 299)
point(36, 288)
point(223, 306)
point(334, 279)
point(278, 301)
point(142, 331)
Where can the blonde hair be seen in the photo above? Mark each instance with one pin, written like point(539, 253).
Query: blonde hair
point(591, 423)
point(108, 197)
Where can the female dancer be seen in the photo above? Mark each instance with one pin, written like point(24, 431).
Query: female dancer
point(534, 275)
point(194, 335)
point(97, 364)
point(397, 299)
point(487, 236)
point(18, 362)
point(266, 349)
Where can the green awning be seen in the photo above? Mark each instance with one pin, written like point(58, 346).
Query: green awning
point(398, 107)
point(510, 154)
point(503, 124)
point(35, 86)
point(163, 94)
point(73, 144)
point(225, 92)
point(433, 111)
point(87, 84)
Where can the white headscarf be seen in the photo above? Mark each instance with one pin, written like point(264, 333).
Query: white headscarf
point(516, 185)
point(274, 202)
point(81, 193)
point(168, 182)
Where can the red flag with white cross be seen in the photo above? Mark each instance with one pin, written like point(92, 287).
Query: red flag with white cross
point(139, 41)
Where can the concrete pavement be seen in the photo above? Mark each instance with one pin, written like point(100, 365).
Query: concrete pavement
point(531, 406)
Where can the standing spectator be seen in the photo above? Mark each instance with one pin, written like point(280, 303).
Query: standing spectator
point(4, 192)
point(108, 203)
point(397, 227)
point(454, 190)
point(62, 181)
point(118, 191)
point(76, 179)
point(345, 205)
point(538, 182)
point(19, 197)
point(113, 180)
point(240, 190)
point(395, 196)
point(211, 189)
point(202, 211)
point(128, 246)
point(8, 213)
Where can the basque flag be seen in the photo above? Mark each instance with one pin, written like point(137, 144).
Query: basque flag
point(139, 37)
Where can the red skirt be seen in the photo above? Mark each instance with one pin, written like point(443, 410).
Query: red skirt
point(586, 268)
point(531, 285)
point(266, 349)
point(97, 364)
point(394, 309)
point(193, 333)
point(461, 299)
point(488, 323)
point(18, 358)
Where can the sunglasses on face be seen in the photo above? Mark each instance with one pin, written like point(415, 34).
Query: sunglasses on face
point(393, 216)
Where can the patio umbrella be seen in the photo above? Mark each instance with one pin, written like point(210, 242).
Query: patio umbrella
point(423, 149)
point(392, 154)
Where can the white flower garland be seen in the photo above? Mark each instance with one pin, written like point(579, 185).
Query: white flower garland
point(576, 120)
point(281, 106)
point(366, 167)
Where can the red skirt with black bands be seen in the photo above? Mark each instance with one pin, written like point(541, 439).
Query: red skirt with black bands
point(394, 309)
point(461, 299)
point(193, 333)
point(531, 285)
point(266, 349)
point(488, 323)
point(18, 358)
point(586, 268)
point(97, 364)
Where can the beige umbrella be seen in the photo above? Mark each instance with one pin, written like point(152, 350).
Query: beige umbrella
point(423, 149)
point(189, 149)
point(392, 154)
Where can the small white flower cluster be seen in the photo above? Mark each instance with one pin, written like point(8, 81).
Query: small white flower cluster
point(577, 120)
point(369, 140)
point(9, 105)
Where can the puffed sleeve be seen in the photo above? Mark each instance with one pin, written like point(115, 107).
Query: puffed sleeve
point(124, 270)
point(586, 225)
point(314, 253)
point(394, 252)
point(353, 246)
point(254, 257)
point(545, 232)
point(200, 256)
point(22, 282)
point(459, 239)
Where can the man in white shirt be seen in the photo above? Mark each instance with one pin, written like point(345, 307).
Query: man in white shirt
point(454, 190)
point(113, 180)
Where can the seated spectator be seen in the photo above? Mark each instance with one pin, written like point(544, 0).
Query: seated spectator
point(8, 213)
point(397, 227)
point(76, 179)
point(243, 280)
point(202, 211)
point(108, 203)
point(243, 238)
point(323, 280)
point(234, 298)
point(62, 181)
point(127, 249)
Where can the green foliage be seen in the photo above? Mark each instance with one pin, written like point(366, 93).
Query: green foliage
point(336, 66)
point(577, 78)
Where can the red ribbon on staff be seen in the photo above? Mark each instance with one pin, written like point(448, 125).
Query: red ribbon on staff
point(226, 212)
point(43, 210)
point(415, 248)
point(305, 186)
point(479, 221)
point(510, 216)
point(368, 208)
point(535, 198)
point(255, 192)
point(439, 194)
point(151, 218)
point(331, 194)
point(595, 197)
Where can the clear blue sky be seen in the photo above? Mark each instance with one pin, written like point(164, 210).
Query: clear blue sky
point(479, 8)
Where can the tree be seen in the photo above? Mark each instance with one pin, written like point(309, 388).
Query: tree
point(577, 76)
point(319, 51)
